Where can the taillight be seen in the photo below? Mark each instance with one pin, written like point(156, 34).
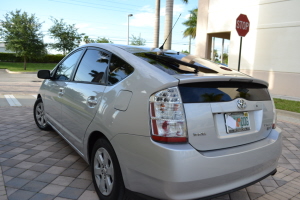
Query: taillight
point(167, 116)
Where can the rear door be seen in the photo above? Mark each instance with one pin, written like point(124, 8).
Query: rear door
point(224, 114)
point(82, 96)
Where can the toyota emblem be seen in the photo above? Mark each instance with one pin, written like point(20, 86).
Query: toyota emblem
point(241, 104)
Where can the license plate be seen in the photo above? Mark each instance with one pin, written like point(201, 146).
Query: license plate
point(237, 122)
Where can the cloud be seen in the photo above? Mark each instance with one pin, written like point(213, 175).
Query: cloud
point(146, 17)
point(148, 9)
point(97, 28)
point(82, 25)
point(142, 19)
point(177, 9)
point(187, 16)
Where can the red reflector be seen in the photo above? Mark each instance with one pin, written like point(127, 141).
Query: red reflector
point(169, 139)
point(154, 127)
point(273, 126)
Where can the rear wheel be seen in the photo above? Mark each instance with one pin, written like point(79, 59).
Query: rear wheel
point(106, 173)
point(39, 115)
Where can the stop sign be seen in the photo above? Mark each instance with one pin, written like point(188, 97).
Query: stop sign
point(242, 25)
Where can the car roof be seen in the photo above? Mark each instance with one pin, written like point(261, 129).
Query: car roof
point(130, 48)
point(142, 49)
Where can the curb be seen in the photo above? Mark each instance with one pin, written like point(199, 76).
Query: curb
point(10, 72)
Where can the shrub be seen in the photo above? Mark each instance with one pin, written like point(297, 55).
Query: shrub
point(11, 57)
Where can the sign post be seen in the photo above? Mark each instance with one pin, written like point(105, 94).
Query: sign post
point(242, 28)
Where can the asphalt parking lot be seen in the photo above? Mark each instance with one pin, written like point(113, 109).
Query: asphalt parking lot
point(40, 165)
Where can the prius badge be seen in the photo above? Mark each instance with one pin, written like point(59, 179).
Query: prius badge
point(241, 104)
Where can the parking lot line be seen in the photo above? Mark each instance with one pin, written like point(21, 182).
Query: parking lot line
point(12, 100)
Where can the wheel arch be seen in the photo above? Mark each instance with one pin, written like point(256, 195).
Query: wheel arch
point(93, 137)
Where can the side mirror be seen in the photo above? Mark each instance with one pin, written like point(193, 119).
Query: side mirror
point(44, 74)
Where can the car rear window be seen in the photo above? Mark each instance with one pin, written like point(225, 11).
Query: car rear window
point(172, 63)
point(223, 91)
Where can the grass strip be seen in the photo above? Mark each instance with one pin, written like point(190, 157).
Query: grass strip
point(282, 104)
point(30, 67)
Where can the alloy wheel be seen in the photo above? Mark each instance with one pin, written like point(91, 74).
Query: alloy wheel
point(104, 171)
point(40, 114)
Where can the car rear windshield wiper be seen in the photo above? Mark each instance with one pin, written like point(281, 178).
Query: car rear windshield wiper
point(175, 63)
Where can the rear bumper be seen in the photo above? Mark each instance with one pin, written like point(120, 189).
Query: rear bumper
point(167, 171)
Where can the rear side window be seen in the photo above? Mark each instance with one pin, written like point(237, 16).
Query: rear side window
point(92, 67)
point(65, 69)
point(223, 91)
point(118, 70)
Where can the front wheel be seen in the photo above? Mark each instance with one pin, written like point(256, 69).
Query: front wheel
point(106, 172)
point(39, 115)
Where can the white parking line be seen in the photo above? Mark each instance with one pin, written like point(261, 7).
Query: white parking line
point(12, 100)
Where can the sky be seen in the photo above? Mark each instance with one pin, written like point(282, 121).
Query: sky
point(107, 18)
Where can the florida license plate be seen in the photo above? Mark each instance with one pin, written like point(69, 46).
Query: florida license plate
point(237, 122)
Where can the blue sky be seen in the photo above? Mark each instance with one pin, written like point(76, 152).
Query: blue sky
point(99, 18)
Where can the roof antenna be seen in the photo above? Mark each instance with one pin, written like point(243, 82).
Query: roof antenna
point(162, 46)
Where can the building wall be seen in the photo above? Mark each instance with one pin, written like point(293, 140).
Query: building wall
point(270, 49)
point(3, 49)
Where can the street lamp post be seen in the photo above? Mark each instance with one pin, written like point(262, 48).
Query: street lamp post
point(130, 15)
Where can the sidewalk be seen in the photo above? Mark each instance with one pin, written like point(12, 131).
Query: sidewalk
point(285, 97)
point(288, 117)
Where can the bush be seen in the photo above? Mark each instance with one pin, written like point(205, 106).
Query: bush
point(11, 57)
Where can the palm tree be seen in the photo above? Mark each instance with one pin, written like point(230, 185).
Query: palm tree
point(191, 24)
point(168, 22)
point(156, 24)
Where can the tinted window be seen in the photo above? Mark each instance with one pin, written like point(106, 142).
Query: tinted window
point(173, 63)
point(64, 70)
point(92, 66)
point(223, 91)
point(118, 70)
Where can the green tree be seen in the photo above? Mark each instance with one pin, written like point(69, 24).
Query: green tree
point(138, 41)
point(22, 34)
point(87, 40)
point(185, 51)
point(191, 24)
point(66, 36)
point(216, 56)
point(225, 58)
point(103, 40)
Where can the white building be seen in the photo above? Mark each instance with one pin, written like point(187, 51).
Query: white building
point(270, 49)
point(3, 49)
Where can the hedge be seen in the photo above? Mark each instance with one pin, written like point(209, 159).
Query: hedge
point(11, 57)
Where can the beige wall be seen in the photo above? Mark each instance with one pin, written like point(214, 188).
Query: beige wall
point(270, 49)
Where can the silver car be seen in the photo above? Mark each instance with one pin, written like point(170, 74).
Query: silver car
point(160, 123)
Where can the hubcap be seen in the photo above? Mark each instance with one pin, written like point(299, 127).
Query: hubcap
point(104, 171)
point(40, 115)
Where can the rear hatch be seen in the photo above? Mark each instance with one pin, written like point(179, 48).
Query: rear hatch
point(226, 112)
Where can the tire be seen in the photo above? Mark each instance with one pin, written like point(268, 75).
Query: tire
point(39, 115)
point(106, 172)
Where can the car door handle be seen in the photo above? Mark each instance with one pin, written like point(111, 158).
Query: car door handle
point(92, 101)
point(61, 92)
